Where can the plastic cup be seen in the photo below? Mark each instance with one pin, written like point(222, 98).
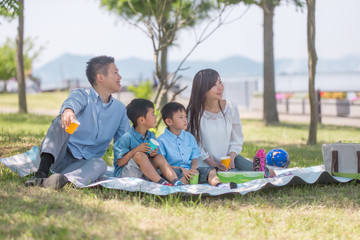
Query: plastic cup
point(153, 144)
point(73, 126)
point(226, 161)
point(194, 179)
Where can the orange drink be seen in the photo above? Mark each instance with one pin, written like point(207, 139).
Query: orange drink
point(226, 161)
point(73, 126)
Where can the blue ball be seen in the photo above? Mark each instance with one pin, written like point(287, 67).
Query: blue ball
point(278, 157)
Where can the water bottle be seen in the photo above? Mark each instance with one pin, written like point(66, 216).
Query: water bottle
point(259, 161)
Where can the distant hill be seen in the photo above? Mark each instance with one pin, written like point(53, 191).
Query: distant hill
point(296, 66)
point(231, 66)
point(69, 66)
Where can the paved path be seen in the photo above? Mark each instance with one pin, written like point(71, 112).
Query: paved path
point(244, 114)
point(330, 120)
point(126, 97)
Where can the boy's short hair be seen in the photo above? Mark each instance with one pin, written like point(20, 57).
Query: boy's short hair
point(96, 65)
point(138, 108)
point(170, 108)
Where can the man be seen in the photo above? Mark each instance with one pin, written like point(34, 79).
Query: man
point(77, 157)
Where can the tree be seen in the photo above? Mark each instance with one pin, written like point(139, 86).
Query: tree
point(20, 75)
point(312, 71)
point(270, 110)
point(8, 58)
point(10, 8)
point(161, 21)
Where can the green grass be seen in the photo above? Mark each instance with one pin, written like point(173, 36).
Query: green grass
point(43, 101)
point(300, 212)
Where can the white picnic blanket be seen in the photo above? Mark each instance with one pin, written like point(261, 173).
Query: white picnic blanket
point(25, 163)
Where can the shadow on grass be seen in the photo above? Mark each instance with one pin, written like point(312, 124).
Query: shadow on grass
point(20, 142)
point(300, 155)
point(33, 214)
point(336, 195)
point(38, 213)
point(26, 118)
point(78, 213)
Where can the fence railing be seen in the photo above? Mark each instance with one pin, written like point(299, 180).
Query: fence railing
point(326, 107)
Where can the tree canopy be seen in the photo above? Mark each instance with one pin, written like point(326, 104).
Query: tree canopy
point(161, 21)
point(10, 8)
point(184, 12)
point(8, 58)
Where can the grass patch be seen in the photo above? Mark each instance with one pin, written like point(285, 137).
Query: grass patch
point(43, 101)
point(306, 212)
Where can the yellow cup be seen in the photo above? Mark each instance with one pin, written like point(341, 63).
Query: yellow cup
point(226, 161)
point(73, 126)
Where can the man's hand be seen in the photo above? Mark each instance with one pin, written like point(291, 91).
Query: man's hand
point(67, 117)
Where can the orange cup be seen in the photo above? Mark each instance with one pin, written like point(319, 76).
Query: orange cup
point(73, 126)
point(226, 161)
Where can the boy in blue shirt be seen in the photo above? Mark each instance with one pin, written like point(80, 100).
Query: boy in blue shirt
point(131, 151)
point(181, 150)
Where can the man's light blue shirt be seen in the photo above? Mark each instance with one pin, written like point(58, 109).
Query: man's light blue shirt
point(180, 150)
point(99, 123)
point(126, 143)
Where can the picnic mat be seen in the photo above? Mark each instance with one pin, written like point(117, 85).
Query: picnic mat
point(26, 163)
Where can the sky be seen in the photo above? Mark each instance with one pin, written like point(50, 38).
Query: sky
point(81, 27)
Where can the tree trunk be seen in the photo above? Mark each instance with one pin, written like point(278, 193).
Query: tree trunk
point(5, 86)
point(160, 98)
point(270, 110)
point(164, 73)
point(20, 62)
point(312, 71)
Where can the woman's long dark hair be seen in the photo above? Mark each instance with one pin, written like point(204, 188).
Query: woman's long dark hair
point(203, 81)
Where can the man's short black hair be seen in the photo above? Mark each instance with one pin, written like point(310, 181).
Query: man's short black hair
point(96, 65)
point(138, 107)
point(170, 108)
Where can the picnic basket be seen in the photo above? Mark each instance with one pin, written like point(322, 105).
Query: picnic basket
point(342, 159)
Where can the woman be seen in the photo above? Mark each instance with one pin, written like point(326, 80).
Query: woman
point(215, 123)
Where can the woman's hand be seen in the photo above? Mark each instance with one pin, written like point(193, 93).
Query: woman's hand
point(221, 167)
point(232, 160)
point(212, 163)
point(232, 164)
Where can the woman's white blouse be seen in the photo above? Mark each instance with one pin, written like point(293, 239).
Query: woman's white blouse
point(219, 135)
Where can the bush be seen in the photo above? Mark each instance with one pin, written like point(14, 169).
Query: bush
point(143, 90)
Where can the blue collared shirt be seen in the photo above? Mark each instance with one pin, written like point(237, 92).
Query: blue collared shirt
point(126, 143)
point(179, 150)
point(99, 123)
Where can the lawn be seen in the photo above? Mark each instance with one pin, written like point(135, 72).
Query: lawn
point(38, 101)
point(300, 212)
